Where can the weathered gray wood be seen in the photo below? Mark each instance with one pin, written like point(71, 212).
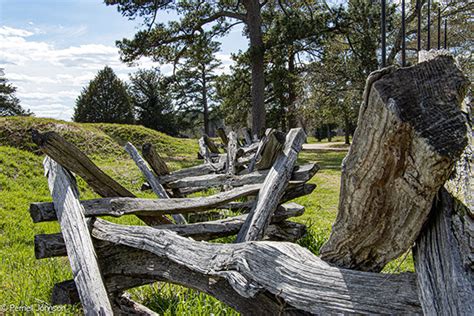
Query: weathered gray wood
point(121, 206)
point(291, 193)
point(273, 188)
point(245, 133)
point(409, 134)
point(211, 145)
point(258, 153)
point(78, 242)
point(124, 305)
point(151, 179)
point(255, 278)
point(71, 158)
point(232, 148)
point(285, 231)
point(154, 160)
point(199, 170)
point(444, 251)
point(269, 148)
point(52, 245)
point(221, 133)
point(301, 173)
point(444, 259)
point(204, 151)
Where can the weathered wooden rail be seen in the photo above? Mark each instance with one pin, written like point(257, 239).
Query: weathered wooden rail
point(411, 148)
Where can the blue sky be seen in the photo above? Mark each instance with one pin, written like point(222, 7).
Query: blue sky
point(50, 49)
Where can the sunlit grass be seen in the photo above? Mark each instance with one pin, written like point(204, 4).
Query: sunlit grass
point(25, 281)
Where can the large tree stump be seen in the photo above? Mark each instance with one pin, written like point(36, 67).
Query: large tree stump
point(444, 251)
point(410, 133)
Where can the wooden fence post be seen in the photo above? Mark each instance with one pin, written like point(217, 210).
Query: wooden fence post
point(80, 249)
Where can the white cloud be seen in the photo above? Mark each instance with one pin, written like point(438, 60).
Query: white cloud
point(10, 31)
point(49, 78)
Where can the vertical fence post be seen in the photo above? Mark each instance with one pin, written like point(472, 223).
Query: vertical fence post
point(403, 35)
point(428, 45)
point(384, 48)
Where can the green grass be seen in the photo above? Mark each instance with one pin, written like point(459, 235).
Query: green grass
point(25, 281)
point(313, 140)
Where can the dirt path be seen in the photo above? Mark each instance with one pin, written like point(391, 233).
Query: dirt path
point(333, 146)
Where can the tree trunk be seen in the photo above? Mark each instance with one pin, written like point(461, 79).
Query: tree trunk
point(410, 133)
point(328, 129)
point(292, 121)
point(257, 51)
point(347, 131)
point(204, 103)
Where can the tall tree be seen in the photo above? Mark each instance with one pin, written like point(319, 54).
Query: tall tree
point(195, 78)
point(9, 103)
point(152, 100)
point(169, 42)
point(105, 99)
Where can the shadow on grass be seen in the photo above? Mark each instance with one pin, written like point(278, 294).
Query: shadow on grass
point(326, 159)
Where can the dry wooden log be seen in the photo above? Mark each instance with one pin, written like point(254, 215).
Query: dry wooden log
point(270, 146)
point(444, 251)
point(211, 145)
point(44, 211)
point(154, 160)
point(285, 231)
point(232, 148)
point(52, 245)
point(195, 171)
point(204, 151)
point(245, 133)
point(290, 194)
point(444, 259)
point(151, 179)
point(409, 134)
point(124, 305)
point(301, 173)
point(221, 133)
point(273, 188)
point(71, 158)
point(248, 150)
point(258, 153)
point(255, 278)
point(80, 249)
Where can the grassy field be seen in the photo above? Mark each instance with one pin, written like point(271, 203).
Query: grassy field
point(25, 281)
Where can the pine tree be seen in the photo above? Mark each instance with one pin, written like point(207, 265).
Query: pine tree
point(105, 99)
point(151, 98)
point(9, 103)
point(195, 79)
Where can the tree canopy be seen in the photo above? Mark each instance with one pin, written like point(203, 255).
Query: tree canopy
point(9, 103)
point(152, 100)
point(105, 99)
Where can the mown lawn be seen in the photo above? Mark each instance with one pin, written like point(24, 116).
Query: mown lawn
point(25, 281)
